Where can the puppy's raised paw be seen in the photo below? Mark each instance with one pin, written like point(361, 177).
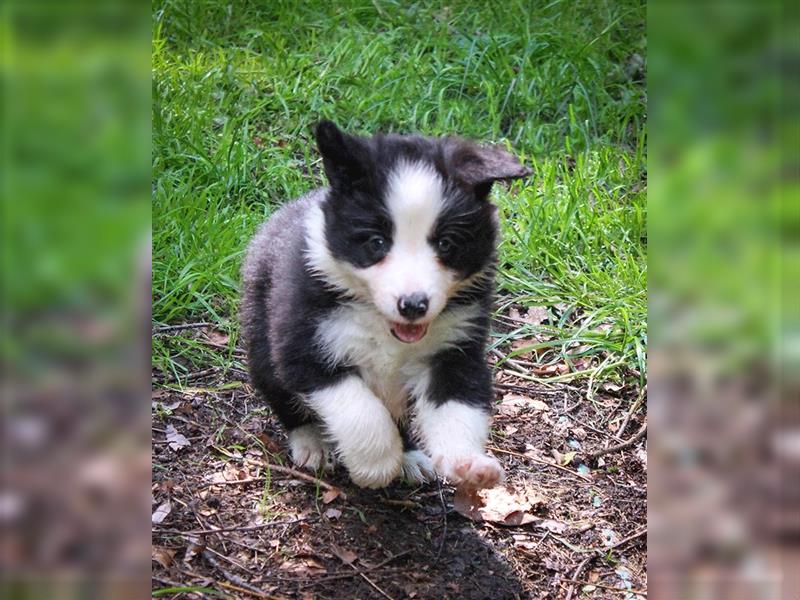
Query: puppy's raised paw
point(475, 470)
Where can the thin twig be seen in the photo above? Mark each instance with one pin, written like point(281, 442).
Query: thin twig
point(372, 583)
point(615, 589)
point(624, 541)
point(305, 477)
point(199, 374)
point(605, 549)
point(235, 579)
point(594, 553)
point(252, 592)
point(616, 447)
point(168, 328)
point(444, 520)
point(510, 361)
point(574, 581)
point(526, 389)
point(242, 528)
point(332, 576)
point(541, 462)
point(287, 470)
point(231, 482)
point(632, 410)
point(229, 560)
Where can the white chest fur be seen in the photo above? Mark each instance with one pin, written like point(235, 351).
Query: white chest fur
point(357, 335)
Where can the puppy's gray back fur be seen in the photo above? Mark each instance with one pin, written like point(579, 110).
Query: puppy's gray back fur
point(270, 255)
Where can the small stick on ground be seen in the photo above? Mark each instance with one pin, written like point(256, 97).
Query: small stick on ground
point(541, 462)
point(616, 447)
point(372, 583)
point(169, 328)
point(250, 592)
point(234, 580)
point(510, 361)
point(444, 520)
point(629, 414)
point(334, 576)
point(614, 589)
point(625, 540)
point(303, 476)
point(574, 581)
point(203, 373)
point(243, 528)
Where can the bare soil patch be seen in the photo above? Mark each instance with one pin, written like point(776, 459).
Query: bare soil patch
point(232, 516)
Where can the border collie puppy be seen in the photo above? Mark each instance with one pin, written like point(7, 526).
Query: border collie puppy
point(366, 309)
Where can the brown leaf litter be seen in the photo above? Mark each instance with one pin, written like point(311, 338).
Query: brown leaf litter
point(232, 514)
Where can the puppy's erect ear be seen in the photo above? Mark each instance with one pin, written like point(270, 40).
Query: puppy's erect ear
point(345, 157)
point(478, 167)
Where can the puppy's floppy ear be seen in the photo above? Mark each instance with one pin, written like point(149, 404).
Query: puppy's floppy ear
point(345, 157)
point(477, 167)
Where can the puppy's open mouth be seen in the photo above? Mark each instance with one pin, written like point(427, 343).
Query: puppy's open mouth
point(408, 332)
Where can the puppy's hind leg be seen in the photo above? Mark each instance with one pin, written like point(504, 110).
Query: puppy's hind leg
point(308, 448)
point(417, 466)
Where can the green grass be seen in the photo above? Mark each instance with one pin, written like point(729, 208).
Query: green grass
point(238, 87)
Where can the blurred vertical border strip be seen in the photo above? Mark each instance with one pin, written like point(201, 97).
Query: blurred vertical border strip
point(74, 481)
point(724, 495)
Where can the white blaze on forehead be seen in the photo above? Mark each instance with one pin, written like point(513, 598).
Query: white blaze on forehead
point(414, 198)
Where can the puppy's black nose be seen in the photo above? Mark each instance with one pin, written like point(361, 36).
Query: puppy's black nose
point(413, 306)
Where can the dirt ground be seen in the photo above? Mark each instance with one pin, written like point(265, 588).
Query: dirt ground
point(233, 518)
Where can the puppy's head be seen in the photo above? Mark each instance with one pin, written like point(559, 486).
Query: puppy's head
point(407, 222)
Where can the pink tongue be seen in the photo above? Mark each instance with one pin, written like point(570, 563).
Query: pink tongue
point(409, 333)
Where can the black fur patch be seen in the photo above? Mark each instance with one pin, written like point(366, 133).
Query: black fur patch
point(355, 212)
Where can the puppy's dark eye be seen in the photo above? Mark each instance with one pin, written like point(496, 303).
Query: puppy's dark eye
point(445, 246)
point(376, 244)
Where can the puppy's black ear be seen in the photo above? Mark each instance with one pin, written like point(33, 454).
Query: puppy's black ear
point(478, 167)
point(345, 157)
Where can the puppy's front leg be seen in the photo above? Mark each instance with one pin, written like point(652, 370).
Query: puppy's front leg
point(452, 416)
point(455, 434)
point(366, 437)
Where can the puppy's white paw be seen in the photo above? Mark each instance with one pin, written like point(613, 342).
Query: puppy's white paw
point(475, 470)
point(417, 467)
point(308, 449)
point(375, 470)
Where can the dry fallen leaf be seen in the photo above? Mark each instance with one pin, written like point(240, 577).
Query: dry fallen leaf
point(346, 556)
point(304, 566)
point(176, 440)
point(329, 496)
point(161, 512)
point(270, 445)
point(553, 526)
point(333, 513)
point(195, 547)
point(535, 315)
point(641, 454)
point(513, 403)
point(554, 369)
point(164, 556)
point(217, 337)
point(502, 505)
